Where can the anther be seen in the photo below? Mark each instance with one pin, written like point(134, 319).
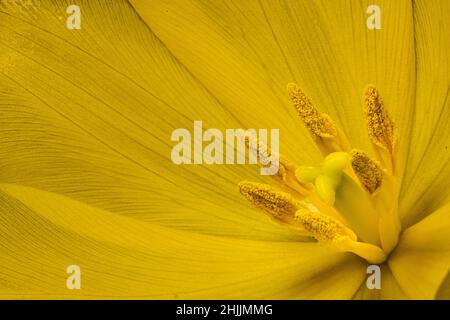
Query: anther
point(379, 125)
point(286, 173)
point(319, 124)
point(280, 205)
point(337, 236)
point(368, 171)
point(322, 227)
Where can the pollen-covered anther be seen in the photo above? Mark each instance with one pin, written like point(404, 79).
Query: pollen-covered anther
point(322, 227)
point(256, 149)
point(286, 171)
point(380, 127)
point(319, 124)
point(368, 171)
point(279, 204)
point(337, 236)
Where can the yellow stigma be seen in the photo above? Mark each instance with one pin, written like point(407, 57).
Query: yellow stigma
point(319, 124)
point(322, 227)
point(335, 163)
point(327, 176)
point(368, 171)
point(379, 125)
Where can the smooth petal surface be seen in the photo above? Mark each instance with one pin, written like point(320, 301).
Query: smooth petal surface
point(426, 185)
point(89, 117)
point(43, 233)
point(245, 52)
point(444, 289)
point(422, 258)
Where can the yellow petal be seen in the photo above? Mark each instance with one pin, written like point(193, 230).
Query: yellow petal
point(426, 185)
point(390, 290)
point(444, 289)
point(246, 52)
point(91, 118)
point(43, 233)
point(422, 258)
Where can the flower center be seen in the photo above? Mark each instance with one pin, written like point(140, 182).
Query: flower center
point(348, 202)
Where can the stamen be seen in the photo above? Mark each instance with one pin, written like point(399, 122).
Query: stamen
point(379, 125)
point(373, 254)
point(322, 227)
point(280, 205)
point(256, 149)
point(319, 124)
point(286, 172)
point(324, 132)
point(368, 171)
point(340, 238)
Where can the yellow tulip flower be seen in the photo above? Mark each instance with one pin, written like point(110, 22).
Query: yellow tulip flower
point(86, 178)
